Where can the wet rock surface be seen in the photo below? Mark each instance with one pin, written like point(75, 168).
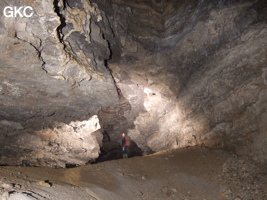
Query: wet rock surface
point(188, 174)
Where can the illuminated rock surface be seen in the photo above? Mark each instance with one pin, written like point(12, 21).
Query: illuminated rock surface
point(47, 83)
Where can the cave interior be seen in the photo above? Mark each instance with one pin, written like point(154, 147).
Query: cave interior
point(169, 74)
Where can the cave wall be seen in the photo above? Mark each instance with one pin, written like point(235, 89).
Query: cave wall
point(170, 74)
point(193, 73)
point(53, 83)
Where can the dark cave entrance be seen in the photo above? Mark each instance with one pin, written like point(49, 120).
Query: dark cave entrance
point(112, 150)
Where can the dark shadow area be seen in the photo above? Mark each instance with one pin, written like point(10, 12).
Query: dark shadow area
point(61, 17)
point(112, 150)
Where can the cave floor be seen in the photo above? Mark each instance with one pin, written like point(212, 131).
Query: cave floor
point(190, 173)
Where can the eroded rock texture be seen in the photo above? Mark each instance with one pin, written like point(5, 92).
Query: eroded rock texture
point(51, 80)
point(192, 73)
point(170, 74)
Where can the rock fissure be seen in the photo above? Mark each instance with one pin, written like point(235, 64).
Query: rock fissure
point(61, 17)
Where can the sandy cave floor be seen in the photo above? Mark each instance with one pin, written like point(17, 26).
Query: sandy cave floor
point(185, 174)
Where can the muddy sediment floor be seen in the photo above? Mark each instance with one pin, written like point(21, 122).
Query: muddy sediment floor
point(186, 174)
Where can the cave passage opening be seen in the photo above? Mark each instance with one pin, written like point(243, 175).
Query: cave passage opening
point(109, 151)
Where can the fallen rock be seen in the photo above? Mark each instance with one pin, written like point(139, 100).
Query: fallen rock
point(20, 196)
point(174, 190)
point(7, 186)
point(5, 196)
point(144, 178)
point(45, 184)
point(120, 174)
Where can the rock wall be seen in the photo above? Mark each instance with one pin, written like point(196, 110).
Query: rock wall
point(193, 73)
point(52, 74)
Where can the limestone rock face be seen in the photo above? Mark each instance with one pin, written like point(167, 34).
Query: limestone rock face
point(192, 73)
point(73, 143)
point(50, 77)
